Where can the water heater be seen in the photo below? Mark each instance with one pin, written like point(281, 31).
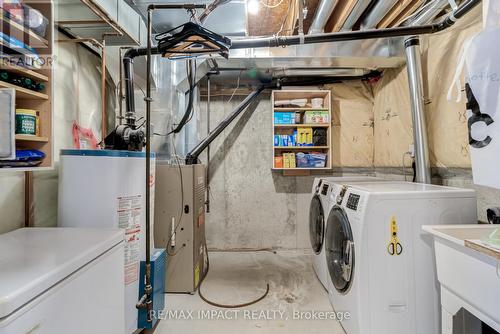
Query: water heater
point(102, 188)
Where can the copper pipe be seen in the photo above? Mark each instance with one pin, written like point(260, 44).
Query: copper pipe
point(29, 207)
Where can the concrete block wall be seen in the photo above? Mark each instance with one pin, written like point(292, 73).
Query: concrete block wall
point(253, 207)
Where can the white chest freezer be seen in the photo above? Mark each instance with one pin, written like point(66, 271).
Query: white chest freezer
point(61, 280)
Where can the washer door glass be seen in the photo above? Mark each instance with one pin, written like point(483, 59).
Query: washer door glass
point(339, 249)
point(316, 224)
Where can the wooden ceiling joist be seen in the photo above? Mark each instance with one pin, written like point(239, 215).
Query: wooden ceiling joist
point(290, 18)
point(340, 14)
point(398, 8)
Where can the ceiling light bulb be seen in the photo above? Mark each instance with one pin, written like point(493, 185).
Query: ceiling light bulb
point(253, 6)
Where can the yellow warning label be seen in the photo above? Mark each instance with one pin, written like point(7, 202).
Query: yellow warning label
point(196, 274)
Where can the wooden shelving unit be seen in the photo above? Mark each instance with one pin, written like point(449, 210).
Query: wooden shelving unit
point(26, 98)
point(288, 129)
point(22, 71)
point(301, 125)
point(24, 93)
point(19, 32)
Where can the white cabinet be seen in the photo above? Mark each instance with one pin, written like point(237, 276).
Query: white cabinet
point(61, 280)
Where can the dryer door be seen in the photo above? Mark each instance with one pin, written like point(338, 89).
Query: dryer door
point(339, 249)
point(316, 224)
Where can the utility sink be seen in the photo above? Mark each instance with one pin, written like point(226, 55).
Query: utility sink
point(459, 233)
point(468, 272)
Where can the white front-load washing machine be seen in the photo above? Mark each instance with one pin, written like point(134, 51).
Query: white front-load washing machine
point(380, 263)
point(325, 190)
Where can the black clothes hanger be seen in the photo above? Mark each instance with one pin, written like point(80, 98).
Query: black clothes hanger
point(191, 39)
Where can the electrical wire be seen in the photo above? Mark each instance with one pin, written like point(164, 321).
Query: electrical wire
point(264, 295)
point(179, 221)
point(404, 166)
point(237, 87)
point(191, 73)
point(284, 21)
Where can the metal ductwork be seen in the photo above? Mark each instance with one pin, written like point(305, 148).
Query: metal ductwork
point(323, 12)
point(416, 84)
point(427, 13)
point(414, 68)
point(377, 14)
point(357, 11)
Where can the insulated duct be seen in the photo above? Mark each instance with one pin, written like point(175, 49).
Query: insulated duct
point(415, 81)
point(357, 11)
point(377, 14)
point(277, 41)
point(416, 86)
point(323, 12)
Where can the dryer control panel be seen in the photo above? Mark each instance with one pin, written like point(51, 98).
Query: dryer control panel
point(324, 190)
point(353, 201)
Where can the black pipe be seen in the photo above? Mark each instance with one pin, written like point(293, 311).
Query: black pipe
point(458, 13)
point(314, 81)
point(277, 41)
point(192, 157)
point(128, 75)
point(177, 6)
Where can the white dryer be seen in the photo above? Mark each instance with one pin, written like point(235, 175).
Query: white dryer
point(325, 190)
point(379, 261)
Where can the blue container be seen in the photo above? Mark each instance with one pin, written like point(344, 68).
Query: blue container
point(284, 118)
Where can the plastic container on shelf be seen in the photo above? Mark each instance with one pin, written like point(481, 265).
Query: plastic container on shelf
point(284, 118)
point(317, 160)
point(27, 122)
point(26, 16)
point(316, 117)
point(317, 102)
point(35, 21)
point(311, 160)
point(278, 162)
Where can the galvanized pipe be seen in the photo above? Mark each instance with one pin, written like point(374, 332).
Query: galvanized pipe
point(377, 14)
point(323, 12)
point(420, 141)
point(355, 14)
point(428, 13)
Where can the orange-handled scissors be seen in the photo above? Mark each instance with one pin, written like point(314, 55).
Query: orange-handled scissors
point(394, 247)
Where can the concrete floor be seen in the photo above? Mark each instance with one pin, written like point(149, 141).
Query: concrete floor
point(238, 277)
